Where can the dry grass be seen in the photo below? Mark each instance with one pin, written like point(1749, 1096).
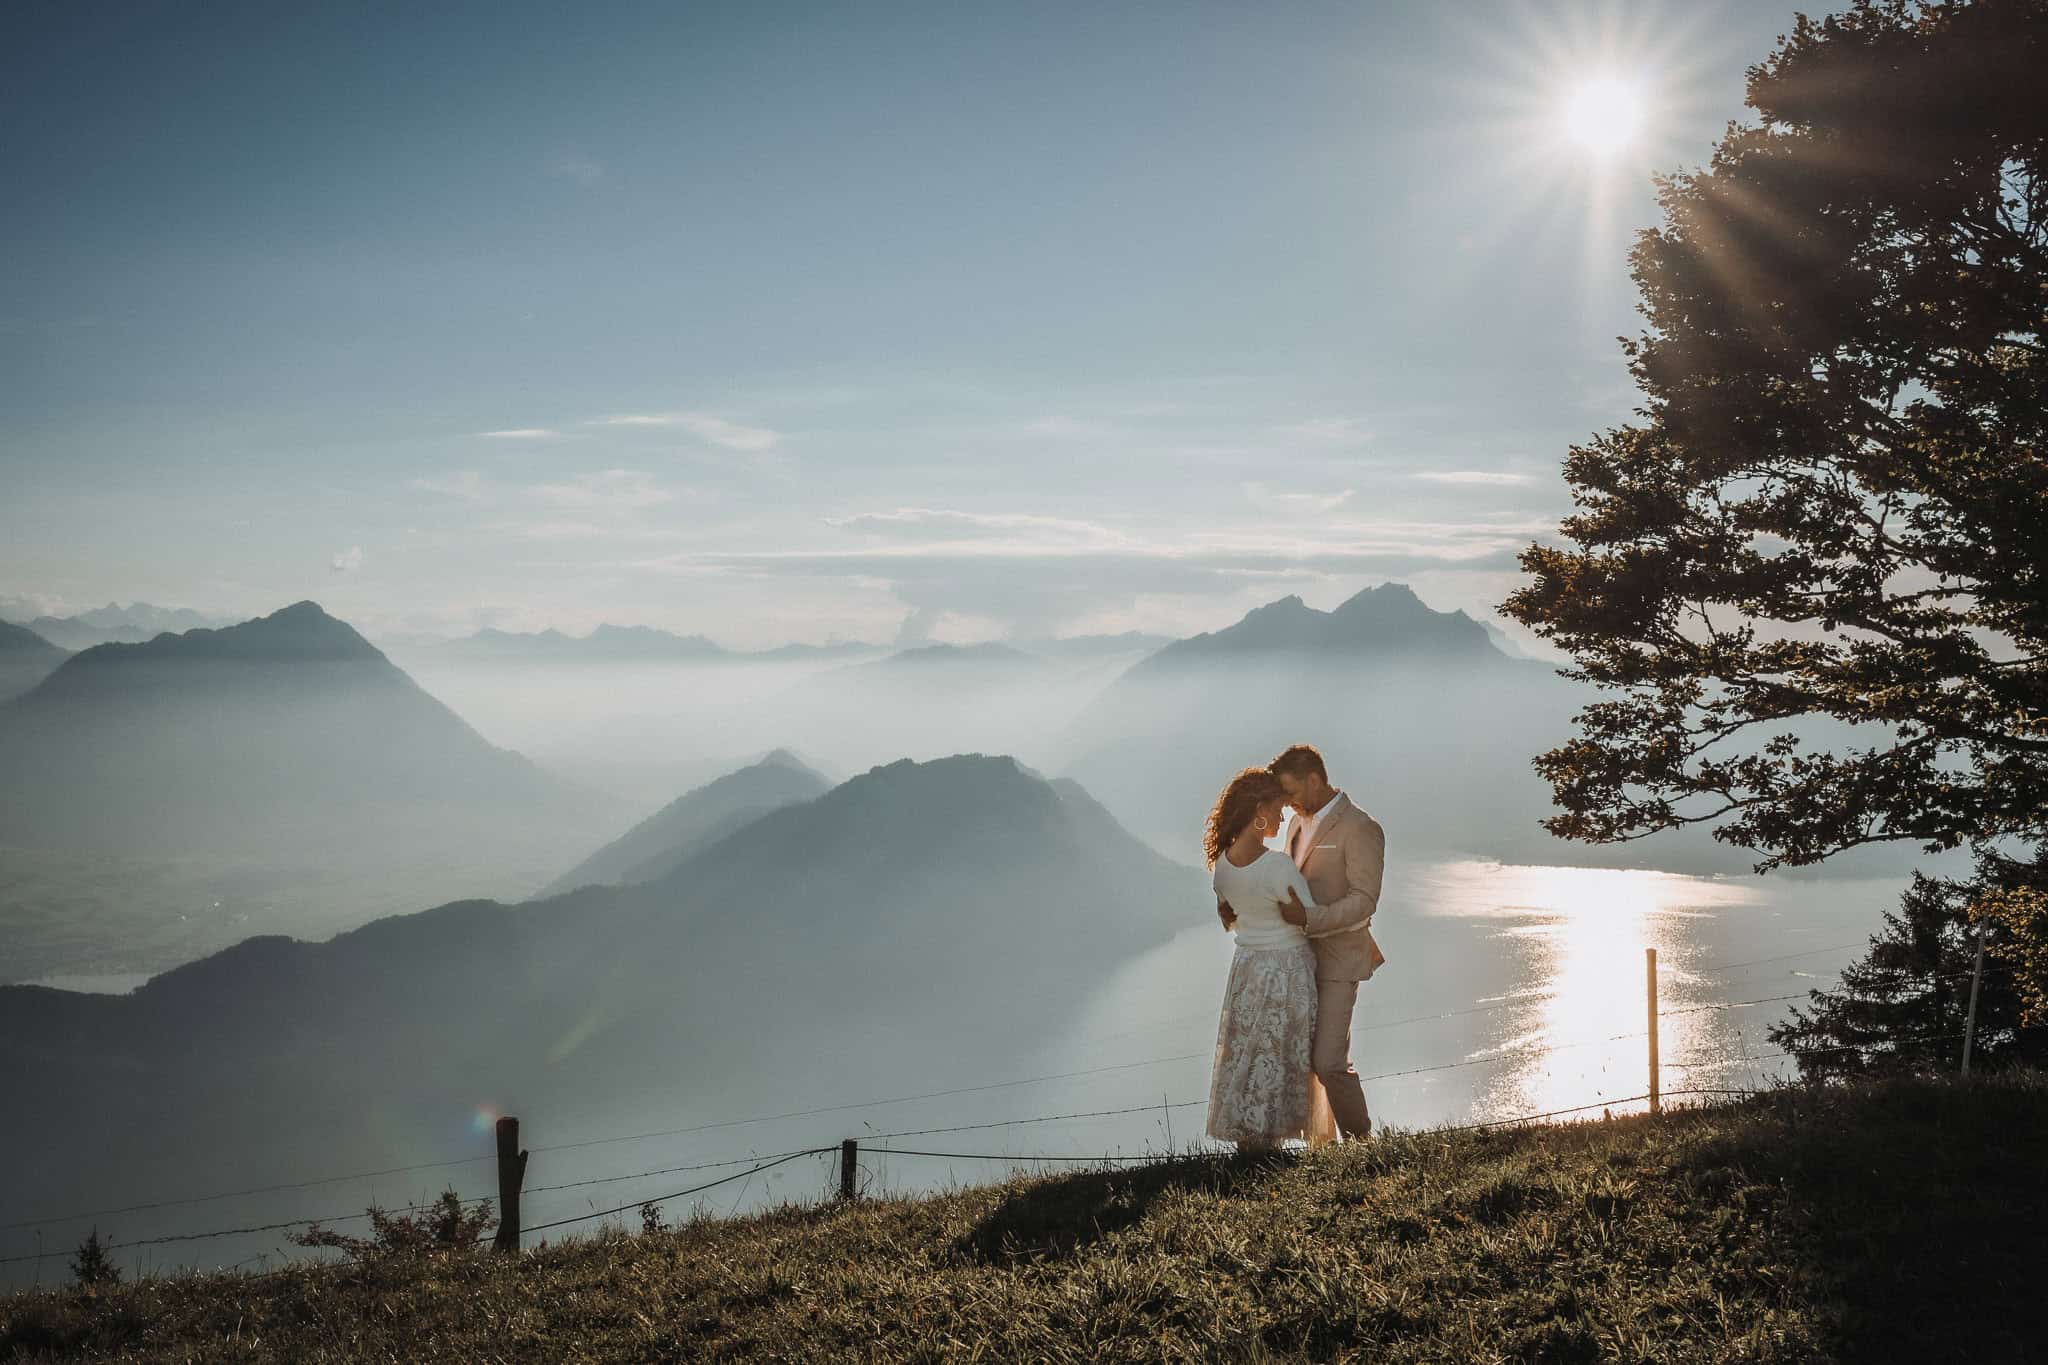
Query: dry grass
point(1905, 1221)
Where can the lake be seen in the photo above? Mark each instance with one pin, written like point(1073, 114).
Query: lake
point(1508, 991)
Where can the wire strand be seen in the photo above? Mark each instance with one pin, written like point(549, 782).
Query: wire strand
point(694, 1189)
point(237, 1194)
point(1001, 1156)
point(1509, 1054)
point(666, 1170)
point(259, 1227)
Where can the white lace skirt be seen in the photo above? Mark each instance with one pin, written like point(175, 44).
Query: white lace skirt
point(1263, 1090)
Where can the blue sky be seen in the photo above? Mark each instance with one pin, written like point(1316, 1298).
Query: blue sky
point(785, 322)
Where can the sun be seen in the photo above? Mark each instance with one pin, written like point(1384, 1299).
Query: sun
point(1605, 114)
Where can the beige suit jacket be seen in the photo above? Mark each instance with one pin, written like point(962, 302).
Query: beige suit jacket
point(1343, 862)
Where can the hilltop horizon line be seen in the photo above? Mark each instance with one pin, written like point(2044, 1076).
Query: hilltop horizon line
point(663, 641)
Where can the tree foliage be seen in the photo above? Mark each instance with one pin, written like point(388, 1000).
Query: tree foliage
point(1810, 577)
point(2011, 906)
point(1903, 1008)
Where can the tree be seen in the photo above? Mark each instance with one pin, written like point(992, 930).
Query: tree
point(1811, 576)
point(1903, 1007)
point(91, 1265)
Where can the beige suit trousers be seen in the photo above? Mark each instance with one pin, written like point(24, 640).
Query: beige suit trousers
point(1330, 1056)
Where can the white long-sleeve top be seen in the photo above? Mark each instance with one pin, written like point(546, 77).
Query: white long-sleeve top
point(1256, 893)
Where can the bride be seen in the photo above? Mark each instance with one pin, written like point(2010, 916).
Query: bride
point(1263, 1091)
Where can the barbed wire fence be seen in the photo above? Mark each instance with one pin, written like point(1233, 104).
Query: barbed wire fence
point(512, 1188)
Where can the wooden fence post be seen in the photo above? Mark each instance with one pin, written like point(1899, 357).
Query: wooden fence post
point(849, 1155)
point(1650, 966)
point(511, 1175)
point(1970, 1020)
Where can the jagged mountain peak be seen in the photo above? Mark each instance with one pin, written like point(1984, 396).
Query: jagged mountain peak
point(300, 632)
point(786, 758)
point(607, 631)
point(1388, 620)
point(605, 643)
point(1383, 598)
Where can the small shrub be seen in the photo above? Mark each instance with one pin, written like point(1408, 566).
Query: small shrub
point(91, 1265)
point(443, 1226)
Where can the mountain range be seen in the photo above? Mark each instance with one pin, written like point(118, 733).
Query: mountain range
point(273, 730)
point(1387, 623)
point(1425, 722)
point(888, 932)
point(116, 624)
point(617, 644)
point(169, 796)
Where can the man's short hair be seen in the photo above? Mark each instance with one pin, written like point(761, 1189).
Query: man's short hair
point(1299, 761)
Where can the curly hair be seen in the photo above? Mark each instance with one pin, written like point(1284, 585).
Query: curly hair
point(1235, 807)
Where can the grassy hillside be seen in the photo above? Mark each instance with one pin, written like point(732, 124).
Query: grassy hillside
point(1902, 1222)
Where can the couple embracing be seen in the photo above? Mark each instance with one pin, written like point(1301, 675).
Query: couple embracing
point(1303, 916)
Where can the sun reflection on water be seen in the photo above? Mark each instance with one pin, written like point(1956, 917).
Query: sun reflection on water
point(1576, 1030)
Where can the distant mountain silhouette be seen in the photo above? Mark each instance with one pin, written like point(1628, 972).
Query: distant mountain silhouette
point(899, 926)
point(116, 624)
point(74, 634)
point(26, 658)
point(654, 847)
point(284, 733)
point(1425, 722)
point(1388, 623)
point(613, 644)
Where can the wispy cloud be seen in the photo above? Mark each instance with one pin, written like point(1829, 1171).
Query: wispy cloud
point(1473, 476)
point(466, 484)
point(1061, 427)
point(1188, 564)
point(521, 434)
point(1273, 500)
point(552, 530)
point(609, 490)
point(707, 427)
point(1338, 431)
point(1034, 586)
point(946, 524)
point(349, 560)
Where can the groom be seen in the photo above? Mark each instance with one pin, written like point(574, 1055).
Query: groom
point(1342, 854)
